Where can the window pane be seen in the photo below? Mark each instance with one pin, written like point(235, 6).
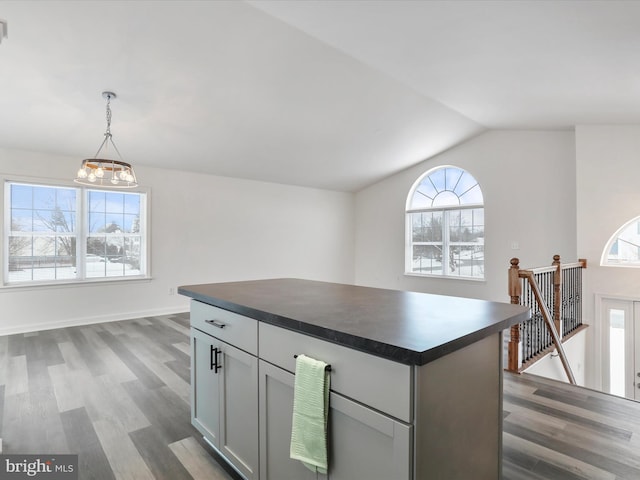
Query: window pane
point(22, 196)
point(466, 261)
point(131, 223)
point(97, 246)
point(50, 258)
point(114, 223)
point(471, 196)
point(427, 226)
point(64, 221)
point(427, 259)
point(66, 199)
point(625, 248)
point(21, 220)
point(616, 352)
point(447, 186)
point(42, 239)
point(97, 222)
point(97, 201)
point(438, 178)
point(452, 177)
point(132, 204)
point(445, 199)
point(421, 200)
point(43, 221)
point(466, 183)
point(44, 197)
point(66, 257)
point(115, 215)
point(132, 256)
point(114, 202)
point(20, 258)
point(463, 226)
point(95, 257)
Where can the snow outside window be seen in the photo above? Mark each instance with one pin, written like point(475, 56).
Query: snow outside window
point(445, 225)
point(57, 234)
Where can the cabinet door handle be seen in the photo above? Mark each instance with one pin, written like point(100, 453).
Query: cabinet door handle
point(217, 366)
point(213, 358)
point(216, 323)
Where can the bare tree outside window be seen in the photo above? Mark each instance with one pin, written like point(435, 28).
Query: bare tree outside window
point(50, 240)
point(445, 225)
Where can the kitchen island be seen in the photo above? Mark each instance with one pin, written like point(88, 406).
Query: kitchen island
point(416, 379)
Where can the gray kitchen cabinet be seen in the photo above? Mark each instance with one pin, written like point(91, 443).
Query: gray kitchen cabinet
point(366, 444)
point(225, 400)
point(276, 408)
point(363, 443)
point(205, 386)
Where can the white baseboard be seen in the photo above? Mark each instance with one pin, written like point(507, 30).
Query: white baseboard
point(75, 322)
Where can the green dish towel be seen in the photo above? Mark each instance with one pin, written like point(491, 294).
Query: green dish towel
point(310, 414)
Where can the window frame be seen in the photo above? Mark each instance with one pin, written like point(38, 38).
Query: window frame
point(81, 233)
point(446, 242)
point(615, 240)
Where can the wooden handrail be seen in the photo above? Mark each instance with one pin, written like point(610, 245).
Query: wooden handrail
point(531, 340)
point(581, 263)
point(546, 315)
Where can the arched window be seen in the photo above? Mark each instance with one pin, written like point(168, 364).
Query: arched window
point(623, 249)
point(445, 225)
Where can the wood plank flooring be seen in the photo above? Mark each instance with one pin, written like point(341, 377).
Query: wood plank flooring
point(555, 431)
point(117, 394)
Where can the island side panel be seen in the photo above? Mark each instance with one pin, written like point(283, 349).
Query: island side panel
point(459, 414)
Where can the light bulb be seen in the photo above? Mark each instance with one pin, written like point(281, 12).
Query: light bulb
point(82, 173)
point(123, 175)
point(92, 177)
point(99, 172)
point(114, 180)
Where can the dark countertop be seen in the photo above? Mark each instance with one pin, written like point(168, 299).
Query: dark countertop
point(407, 327)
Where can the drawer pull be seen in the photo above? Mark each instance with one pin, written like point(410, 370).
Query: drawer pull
point(327, 368)
point(216, 323)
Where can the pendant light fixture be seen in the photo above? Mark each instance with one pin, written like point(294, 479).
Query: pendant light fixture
point(103, 172)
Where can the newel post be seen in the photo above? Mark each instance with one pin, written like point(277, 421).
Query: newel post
point(557, 294)
point(514, 360)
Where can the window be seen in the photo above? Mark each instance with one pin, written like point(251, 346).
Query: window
point(445, 225)
point(57, 234)
point(623, 249)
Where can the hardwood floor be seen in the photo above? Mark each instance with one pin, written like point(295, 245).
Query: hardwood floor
point(117, 394)
point(555, 431)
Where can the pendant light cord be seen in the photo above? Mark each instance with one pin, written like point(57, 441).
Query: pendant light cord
point(107, 133)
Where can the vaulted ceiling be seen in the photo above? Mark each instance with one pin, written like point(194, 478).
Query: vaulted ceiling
point(327, 94)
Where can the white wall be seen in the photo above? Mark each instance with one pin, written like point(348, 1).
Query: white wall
point(203, 229)
point(551, 366)
point(528, 182)
point(607, 172)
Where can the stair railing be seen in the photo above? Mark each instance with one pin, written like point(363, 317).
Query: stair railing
point(554, 295)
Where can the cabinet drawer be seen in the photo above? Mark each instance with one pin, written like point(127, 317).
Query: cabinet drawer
point(230, 327)
point(354, 374)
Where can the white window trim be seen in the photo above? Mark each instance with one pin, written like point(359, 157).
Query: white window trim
point(446, 244)
point(81, 205)
point(604, 260)
point(408, 249)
